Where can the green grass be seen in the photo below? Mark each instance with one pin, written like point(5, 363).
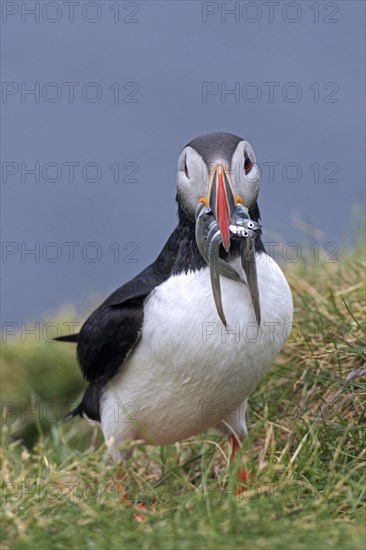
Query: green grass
point(305, 451)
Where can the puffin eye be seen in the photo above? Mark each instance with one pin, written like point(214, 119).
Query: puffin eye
point(186, 169)
point(248, 164)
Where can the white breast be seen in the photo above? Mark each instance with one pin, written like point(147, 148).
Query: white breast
point(187, 369)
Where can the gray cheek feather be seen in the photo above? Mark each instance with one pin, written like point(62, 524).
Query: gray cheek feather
point(249, 192)
point(191, 189)
point(187, 194)
point(247, 186)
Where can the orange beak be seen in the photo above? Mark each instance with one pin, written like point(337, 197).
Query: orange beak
point(222, 201)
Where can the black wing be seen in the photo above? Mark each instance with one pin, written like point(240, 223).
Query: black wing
point(107, 338)
point(112, 331)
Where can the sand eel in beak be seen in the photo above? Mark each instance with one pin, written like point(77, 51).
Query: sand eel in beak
point(209, 239)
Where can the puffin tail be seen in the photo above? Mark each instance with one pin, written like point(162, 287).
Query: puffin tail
point(89, 408)
point(77, 411)
point(72, 338)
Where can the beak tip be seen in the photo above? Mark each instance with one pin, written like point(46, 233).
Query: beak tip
point(226, 242)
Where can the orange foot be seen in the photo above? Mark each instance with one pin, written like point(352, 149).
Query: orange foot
point(140, 517)
point(124, 499)
point(243, 474)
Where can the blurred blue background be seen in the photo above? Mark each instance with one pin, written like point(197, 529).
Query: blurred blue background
point(160, 56)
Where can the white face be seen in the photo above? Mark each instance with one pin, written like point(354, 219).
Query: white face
point(194, 176)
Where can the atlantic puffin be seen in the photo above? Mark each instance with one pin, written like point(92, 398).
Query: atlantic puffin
point(163, 362)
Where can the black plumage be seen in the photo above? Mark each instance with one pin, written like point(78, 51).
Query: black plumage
point(220, 145)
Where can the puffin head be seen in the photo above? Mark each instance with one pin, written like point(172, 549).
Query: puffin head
point(220, 170)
